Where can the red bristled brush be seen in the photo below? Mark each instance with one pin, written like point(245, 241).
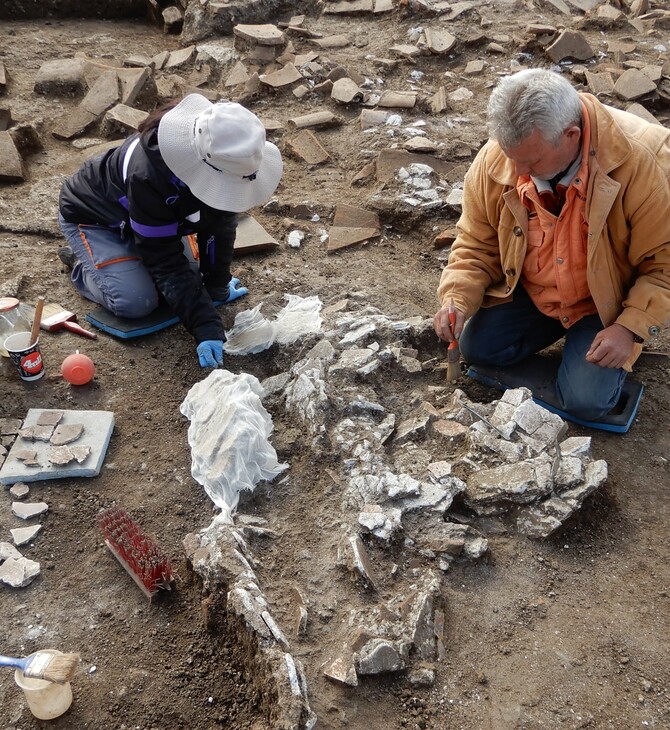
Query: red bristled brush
point(136, 551)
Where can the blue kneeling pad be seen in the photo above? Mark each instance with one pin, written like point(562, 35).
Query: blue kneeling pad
point(125, 329)
point(538, 374)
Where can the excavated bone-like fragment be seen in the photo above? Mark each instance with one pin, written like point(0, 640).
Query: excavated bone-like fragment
point(49, 418)
point(60, 455)
point(67, 433)
point(36, 433)
point(27, 455)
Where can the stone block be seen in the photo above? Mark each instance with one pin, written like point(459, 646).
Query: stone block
point(28, 510)
point(632, 84)
point(103, 94)
point(520, 483)
point(397, 99)
point(570, 45)
point(23, 535)
point(263, 35)
point(61, 77)
point(11, 164)
point(342, 670)
point(439, 42)
point(379, 656)
point(346, 90)
point(74, 124)
point(307, 147)
point(121, 120)
point(19, 572)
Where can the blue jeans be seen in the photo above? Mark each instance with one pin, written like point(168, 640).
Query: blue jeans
point(508, 333)
point(109, 270)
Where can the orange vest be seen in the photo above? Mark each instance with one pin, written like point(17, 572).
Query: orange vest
point(554, 269)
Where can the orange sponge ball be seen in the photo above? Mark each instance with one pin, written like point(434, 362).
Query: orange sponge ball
point(78, 369)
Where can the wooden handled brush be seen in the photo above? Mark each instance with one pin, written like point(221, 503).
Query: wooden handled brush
point(453, 351)
point(57, 668)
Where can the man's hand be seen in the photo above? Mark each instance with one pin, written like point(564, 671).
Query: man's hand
point(611, 347)
point(210, 353)
point(441, 324)
point(228, 293)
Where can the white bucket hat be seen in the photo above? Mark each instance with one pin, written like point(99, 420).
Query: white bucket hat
point(219, 151)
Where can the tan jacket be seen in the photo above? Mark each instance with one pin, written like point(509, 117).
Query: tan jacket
point(628, 212)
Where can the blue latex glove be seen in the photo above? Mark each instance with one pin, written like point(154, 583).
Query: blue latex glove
point(210, 353)
point(234, 290)
point(227, 293)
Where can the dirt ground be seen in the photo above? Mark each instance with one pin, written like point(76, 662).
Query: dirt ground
point(571, 632)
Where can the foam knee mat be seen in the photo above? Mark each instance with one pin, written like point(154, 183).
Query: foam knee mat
point(538, 374)
point(161, 318)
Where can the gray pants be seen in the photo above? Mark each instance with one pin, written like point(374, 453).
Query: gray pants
point(109, 269)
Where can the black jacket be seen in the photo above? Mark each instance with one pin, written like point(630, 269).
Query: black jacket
point(157, 209)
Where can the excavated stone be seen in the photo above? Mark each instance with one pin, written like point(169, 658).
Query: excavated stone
point(63, 455)
point(285, 76)
point(173, 19)
point(417, 614)
point(570, 45)
point(238, 75)
point(49, 418)
point(422, 676)
point(122, 119)
point(23, 535)
point(522, 482)
point(406, 51)
point(7, 551)
point(352, 554)
point(420, 144)
point(412, 429)
point(323, 119)
point(28, 510)
point(345, 91)
point(576, 446)
point(74, 123)
point(307, 147)
point(434, 497)
point(179, 58)
point(19, 490)
point(342, 670)
point(28, 456)
point(382, 522)
point(536, 523)
point(439, 41)
point(632, 84)
point(352, 359)
point(11, 164)
point(570, 472)
point(397, 99)
point(263, 35)
point(63, 76)
point(19, 572)
point(10, 426)
point(600, 83)
point(103, 94)
point(379, 656)
point(65, 434)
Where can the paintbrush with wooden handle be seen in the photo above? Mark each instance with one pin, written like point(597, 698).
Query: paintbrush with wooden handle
point(453, 351)
point(57, 668)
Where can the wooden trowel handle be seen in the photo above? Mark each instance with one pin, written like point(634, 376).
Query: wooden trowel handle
point(37, 318)
point(78, 329)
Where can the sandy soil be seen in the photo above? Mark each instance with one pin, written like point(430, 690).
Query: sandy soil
point(570, 632)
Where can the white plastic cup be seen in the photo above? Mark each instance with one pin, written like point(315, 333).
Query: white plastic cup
point(46, 700)
point(26, 357)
